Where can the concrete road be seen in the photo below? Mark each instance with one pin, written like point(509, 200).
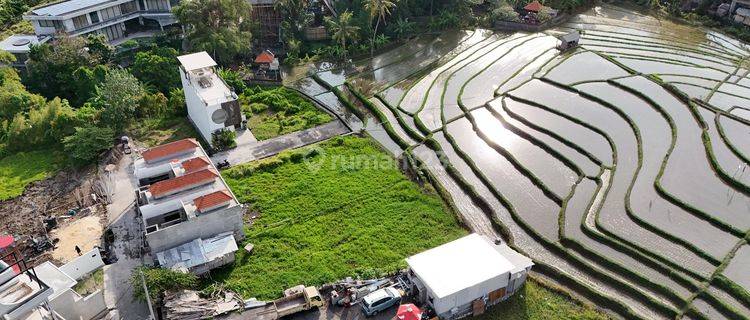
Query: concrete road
point(261, 149)
point(342, 313)
point(128, 244)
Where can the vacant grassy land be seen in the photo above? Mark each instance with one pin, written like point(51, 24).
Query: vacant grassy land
point(20, 169)
point(339, 209)
point(156, 131)
point(272, 112)
point(536, 302)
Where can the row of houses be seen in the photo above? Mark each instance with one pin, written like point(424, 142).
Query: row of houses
point(191, 219)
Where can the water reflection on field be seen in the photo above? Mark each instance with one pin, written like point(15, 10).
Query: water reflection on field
point(637, 143)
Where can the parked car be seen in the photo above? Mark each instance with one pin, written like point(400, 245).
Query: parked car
point(380, 300)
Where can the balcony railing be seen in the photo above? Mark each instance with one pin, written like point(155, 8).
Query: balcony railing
point(119, 18)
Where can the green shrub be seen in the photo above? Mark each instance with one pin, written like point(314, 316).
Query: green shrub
point(223, 139)
point(159, 280)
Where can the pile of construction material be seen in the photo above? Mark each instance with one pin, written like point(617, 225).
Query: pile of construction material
point(189, 305)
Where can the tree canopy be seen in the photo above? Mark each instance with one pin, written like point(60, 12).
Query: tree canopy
point(157, 67)
point(118, 97)
point(220, 27)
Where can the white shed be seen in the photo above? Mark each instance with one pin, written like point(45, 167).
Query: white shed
point(465, 276)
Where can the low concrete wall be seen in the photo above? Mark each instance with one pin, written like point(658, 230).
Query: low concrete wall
point(202, 226)
point(83, 265)
point(70, 305)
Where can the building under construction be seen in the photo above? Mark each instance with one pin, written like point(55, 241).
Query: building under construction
point(269, 21)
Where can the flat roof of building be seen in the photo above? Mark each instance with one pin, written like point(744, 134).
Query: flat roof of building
point(65, 7)
point(21, 43)
point(460, 264)
point(195, 61)
point(55, 278)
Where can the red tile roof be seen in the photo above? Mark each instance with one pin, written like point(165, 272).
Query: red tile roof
point(166, 187)
point(195, 164)
point(212, 200)
point(264, 57)
point(534, 6)
point(166, 150)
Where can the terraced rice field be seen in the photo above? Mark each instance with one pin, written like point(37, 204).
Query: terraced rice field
point(620, 167)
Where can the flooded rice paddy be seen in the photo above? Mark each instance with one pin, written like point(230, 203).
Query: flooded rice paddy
point(620, 167)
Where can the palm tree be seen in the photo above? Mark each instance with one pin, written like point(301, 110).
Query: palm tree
point(378, 9)
point(342, 29)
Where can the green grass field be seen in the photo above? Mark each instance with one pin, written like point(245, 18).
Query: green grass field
point(20, 169)
point(539, 303)
point(156, 131)
point(272, 112)
point(344, 210)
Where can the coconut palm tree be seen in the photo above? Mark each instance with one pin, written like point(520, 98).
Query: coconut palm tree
point(378, 9)
point(342, 29)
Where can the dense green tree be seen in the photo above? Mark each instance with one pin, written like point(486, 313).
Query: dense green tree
point(220, 27)
point(85, 80)
point(159, 280)
point(85, 145)
point(342, 29)
point(296, 18)
point(152, 105)
point(118, 97)
point(378, 10)
point(99, 48)
point(176, 102)
point(233, 79)
point(11, 12)
point(51, 67)
point(157, 67)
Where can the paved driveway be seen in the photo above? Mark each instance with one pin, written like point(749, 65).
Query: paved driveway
point(261, 149)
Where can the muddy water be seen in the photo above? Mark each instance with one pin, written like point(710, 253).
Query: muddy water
point(441, 96)
point(658, 67)
point(586, 165)
point(551, 171)
point(707, 83)
point(693, 91)
point(586, 139)
point(471, 215)
point(644, 199)
point(737, 268)
point(481, 88)
point(667, 54)
point(735, 167)
point(526, 72)
point(536, 209)
point(613, 216)
point(742, 113)
point(688, 175)
point(459, 76)
point(599, 68)
point(413, 100)
point(392, 120)
point(725, 101)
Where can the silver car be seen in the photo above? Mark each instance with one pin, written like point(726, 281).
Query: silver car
point(380, 300)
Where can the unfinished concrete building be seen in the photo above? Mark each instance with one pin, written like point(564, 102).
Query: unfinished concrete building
point(190, 217)
point(46, 292)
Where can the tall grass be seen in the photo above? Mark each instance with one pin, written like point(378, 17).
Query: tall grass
point(20, 169)
point(344, 210)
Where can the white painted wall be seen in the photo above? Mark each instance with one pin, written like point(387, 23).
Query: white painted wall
point(83, 265)
point(70, 305)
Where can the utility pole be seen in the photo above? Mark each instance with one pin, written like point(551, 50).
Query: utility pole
point(148, 296)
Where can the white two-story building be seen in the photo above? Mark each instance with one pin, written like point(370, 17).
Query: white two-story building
point(115, 19)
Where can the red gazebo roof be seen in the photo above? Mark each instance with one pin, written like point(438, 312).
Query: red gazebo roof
point(534, 6)
point(264, 57)
point(408, 312)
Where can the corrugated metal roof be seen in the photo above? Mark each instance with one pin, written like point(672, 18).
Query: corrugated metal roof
point(65, 7)
point(197, 252)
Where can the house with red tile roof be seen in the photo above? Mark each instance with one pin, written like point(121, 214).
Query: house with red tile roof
point(186, 206)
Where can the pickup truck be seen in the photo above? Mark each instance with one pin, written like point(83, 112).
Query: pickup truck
point(295, 299)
